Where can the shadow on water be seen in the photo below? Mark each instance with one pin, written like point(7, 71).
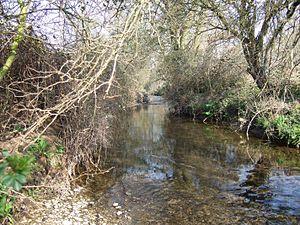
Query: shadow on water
point(176, 171)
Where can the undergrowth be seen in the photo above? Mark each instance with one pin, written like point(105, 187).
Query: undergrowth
point(16, 169)
point(218, 89)
point(284, 126)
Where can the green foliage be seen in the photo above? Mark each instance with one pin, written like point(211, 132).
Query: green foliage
point(31, 192)
point(264, 122)
point(14, 169)
point(60, 149)
point(232, 105)
point(6, 205)
point(19, 128)
point(210, 109)
point(199, 86)
point(229, 107)
point(40, 147)
point(286, 127)
point(280, 161)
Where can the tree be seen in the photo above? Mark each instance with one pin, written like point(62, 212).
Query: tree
point(257, 24)
point(176, 21)
point(17, 40)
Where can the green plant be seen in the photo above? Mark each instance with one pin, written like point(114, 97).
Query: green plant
point(14, 169)
point(280, 161)
point(6, 205)
point(19, 128)
point(40, 147)
point(286, 126)
point(264, 122)
point(32, 192)
point(232, 106)
point(60, 149)
point(210, 109)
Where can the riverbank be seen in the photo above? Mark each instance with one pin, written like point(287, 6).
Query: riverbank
point(65, 206)
point(158, 164)
point(283, 130)
point(177, 171)
point(49, 195)
point(218, 88)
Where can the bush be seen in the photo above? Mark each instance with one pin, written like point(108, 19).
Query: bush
point(198, 84)
point(209, 109)
point(14, 169)
point(284, 126)
point(217, 86)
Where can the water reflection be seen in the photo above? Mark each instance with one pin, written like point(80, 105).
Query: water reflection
point(161, 160)
point(277, 188)
point(146, 140)
point(286, 192)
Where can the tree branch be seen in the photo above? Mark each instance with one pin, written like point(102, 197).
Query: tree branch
point(17, 39)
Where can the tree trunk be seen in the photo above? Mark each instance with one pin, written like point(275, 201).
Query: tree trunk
point(17, 40)
point(255, 66)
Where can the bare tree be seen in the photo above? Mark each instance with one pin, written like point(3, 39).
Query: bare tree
point(65, 66)
point(257, 24)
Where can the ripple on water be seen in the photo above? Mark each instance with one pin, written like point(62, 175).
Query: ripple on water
point(280, 191)
point(177, 171)
point(285, 193)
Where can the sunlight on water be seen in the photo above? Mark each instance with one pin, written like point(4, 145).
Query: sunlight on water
point(180, 171)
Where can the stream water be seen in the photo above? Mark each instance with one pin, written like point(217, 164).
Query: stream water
point(177, 171)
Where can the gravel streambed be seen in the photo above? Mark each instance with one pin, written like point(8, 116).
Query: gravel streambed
point(70, 207)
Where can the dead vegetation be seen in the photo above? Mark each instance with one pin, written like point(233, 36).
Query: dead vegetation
point(76, 90)
point(72, 65)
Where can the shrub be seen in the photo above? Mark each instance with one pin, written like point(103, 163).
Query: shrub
point(284, 126)
point(199, 83)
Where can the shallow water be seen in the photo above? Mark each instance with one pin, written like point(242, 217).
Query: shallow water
point(177, 171)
